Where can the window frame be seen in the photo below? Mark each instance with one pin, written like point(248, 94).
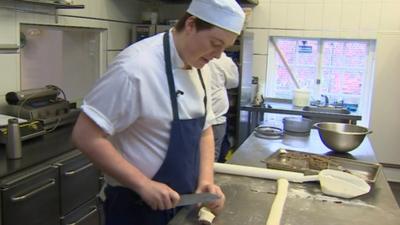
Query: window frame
point(364, 106)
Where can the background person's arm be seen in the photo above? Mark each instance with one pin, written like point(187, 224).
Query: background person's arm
point(230, 71)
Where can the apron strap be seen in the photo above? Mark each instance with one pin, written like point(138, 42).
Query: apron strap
point(168, 70)
point(171, 83)
point(205, 92)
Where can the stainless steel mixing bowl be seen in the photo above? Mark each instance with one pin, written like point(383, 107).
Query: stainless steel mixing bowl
point(341, 137)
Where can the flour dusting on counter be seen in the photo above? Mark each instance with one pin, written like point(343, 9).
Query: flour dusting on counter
point(317, 196)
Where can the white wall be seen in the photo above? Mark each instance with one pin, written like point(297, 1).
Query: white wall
point(169, 11)
point(360, 19)
point(114, 16)
point(385, 120)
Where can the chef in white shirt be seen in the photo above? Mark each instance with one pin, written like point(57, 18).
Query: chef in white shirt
point(146, 122)
point(224, 75)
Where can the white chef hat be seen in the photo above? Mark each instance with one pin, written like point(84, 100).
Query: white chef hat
point(226, 14)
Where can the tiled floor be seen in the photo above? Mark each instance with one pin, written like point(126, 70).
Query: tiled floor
point(396, 191)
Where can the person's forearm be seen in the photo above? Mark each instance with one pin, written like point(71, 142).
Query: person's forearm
point(207, 149)
point(92, 141)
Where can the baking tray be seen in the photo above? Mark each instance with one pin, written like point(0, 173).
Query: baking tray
point(311, 164)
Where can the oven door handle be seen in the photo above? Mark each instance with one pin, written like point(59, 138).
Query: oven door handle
point(73, 172)
point(37, 190)
point(94, 209)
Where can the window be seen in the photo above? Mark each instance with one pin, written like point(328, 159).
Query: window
point(339, 69)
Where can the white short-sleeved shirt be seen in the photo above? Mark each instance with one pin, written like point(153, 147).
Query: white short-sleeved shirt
point(131, 102)
point(224, 75)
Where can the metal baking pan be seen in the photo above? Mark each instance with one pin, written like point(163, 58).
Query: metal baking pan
point(310, 164)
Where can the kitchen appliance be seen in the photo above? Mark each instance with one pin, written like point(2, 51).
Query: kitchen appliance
point(142, 31)
point(27, 129)
point(41, 104)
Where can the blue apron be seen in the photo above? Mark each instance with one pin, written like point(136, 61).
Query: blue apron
point(180, 169)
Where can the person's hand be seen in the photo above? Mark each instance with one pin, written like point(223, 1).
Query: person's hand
point(216, 206)
point(158, 195)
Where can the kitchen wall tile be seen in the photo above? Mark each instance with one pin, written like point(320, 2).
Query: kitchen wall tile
point(351, 12)
point(263, 15)
point(280, 1)
point(345, 2)
point(105, 9)
point(372, 1)
point(8, 27)
point(389, 1)
point(169, 11)
point(34, 18)
point(119, 35)
point(260, 42)
point(313, 16)
point(330, 34)
point(275, 32)
point(312, 33)
point(332, 15)
point(349, 34)
point(278, 18)
point(370, 35)
point(294, 33)
point(370, 15)
point(9, 76)
point(295, 16)
point(124, 10)
point(313, 1)
point(79, 22)
point(390, 16)
point(111, 56)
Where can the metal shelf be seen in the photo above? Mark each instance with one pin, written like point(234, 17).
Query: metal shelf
point(251, 2)
point(54, 4)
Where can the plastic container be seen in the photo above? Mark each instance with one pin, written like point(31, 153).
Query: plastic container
point(301, 97)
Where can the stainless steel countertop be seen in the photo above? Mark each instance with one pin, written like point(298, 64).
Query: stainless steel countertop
point(249, 199)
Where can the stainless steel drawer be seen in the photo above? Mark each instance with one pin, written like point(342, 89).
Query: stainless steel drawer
point(79, 182)
point(32, 198)
point(86, 214)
